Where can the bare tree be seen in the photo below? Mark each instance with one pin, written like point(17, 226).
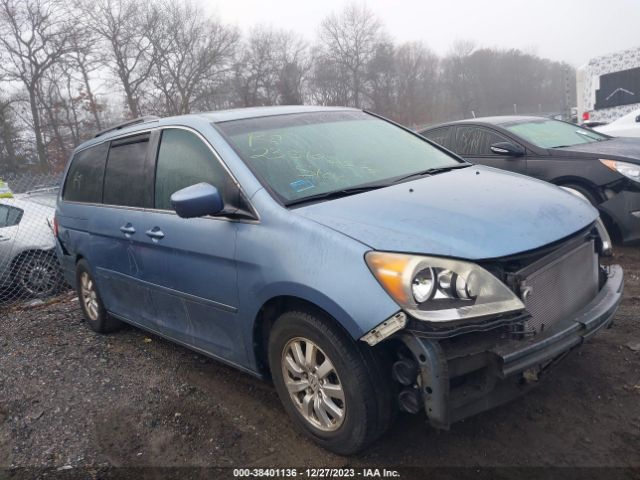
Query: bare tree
point(294, 64)
point(329, 84)
point(351, 39)
point(270, 68)
point(9, 132)
point(169, 57)
point(52, 103)
point(34, 35)
point(381, 73)
point(416, 84)
point(122, 25)
point(255, 71)
point(459, 77)
point(67, 119)
point(191, 49)
point(85, 58)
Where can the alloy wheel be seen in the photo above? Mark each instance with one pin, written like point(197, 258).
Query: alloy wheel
point(39, 276)
point(313, 384)
point(89, 296)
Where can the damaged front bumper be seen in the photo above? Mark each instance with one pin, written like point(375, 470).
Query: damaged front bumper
point(461, 376)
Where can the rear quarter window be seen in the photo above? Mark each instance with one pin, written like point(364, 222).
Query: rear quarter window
point(85, 176)
point(440, 136)
point(9, 216)
point(477, 141)
point(125, 182)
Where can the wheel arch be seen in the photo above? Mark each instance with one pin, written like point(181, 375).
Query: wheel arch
point(569, 180)
point(269, 313)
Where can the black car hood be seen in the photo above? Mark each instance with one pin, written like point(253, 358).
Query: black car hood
point(619, 148)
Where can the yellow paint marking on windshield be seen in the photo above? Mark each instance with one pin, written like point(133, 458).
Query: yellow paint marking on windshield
point(307, 161)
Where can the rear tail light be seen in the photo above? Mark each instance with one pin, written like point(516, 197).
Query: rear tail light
point(55, 226)
point(586, 116)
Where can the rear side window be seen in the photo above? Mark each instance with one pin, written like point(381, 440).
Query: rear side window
point(441, 136)
point(184, 160)
point(476, 141)
point(124, 179)
point(86, 173)
point(9, 216)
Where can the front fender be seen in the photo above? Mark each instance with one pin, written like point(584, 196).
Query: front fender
point(286, 254)
point(309, 295)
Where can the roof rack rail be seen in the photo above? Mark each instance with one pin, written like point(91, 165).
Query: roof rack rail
point(128, 123)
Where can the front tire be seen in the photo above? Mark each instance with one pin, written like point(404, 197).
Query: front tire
point(335, 390)
point(93, 309)
point(586, 193)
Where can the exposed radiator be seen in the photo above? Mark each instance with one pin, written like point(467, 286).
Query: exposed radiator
point(561, 287)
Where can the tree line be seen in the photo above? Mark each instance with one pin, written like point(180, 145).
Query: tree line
point(69, 68)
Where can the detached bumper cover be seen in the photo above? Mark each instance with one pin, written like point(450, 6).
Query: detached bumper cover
point(496, 374)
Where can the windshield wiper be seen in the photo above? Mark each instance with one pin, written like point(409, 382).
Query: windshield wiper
point(345, 192)
point(431, 171)
point(588, 135)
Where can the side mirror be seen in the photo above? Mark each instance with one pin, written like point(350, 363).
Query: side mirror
point(197, 201)
point(507, 149)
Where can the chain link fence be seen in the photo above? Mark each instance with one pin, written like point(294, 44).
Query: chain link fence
point(29, 269)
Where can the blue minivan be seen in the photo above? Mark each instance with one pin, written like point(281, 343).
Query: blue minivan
point(362, 268)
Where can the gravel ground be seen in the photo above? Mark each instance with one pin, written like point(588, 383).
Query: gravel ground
point(72, 398)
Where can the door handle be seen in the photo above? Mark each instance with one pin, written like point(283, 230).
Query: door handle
point(128, 229)
point(155, 234)
point(4, 239)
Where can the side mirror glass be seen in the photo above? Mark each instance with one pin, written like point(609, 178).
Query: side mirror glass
point(638, 119)
point(197, 201)
point(507, 149)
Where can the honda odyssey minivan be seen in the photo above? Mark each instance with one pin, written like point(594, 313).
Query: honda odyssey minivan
point(360, 267)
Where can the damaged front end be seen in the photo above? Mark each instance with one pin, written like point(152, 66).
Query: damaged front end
point(456, 369)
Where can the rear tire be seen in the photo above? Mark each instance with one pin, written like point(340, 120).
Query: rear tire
point(343, 405)
point(38, 274)
point(93, 309)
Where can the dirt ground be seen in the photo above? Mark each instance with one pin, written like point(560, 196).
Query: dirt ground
point(70, 398)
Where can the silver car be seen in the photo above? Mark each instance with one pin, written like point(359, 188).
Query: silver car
point(28, 264)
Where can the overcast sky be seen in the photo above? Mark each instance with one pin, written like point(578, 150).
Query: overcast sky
point(570, 30)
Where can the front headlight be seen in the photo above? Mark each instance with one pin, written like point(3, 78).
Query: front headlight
point(439, 289)
point(629, 170)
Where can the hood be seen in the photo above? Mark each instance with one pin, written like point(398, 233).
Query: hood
point(473, 213)
point(619, 148)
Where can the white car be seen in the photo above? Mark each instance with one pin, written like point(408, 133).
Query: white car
point(28, 264)
point(626, 126)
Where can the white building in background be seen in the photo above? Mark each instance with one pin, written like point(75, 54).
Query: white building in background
point(608, 87)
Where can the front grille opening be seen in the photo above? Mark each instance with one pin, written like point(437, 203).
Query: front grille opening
point(504, 268)
point(561, 287)
point(554, 281)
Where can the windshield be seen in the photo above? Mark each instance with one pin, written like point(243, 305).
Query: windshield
point(547, 133)
point(310, 154)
